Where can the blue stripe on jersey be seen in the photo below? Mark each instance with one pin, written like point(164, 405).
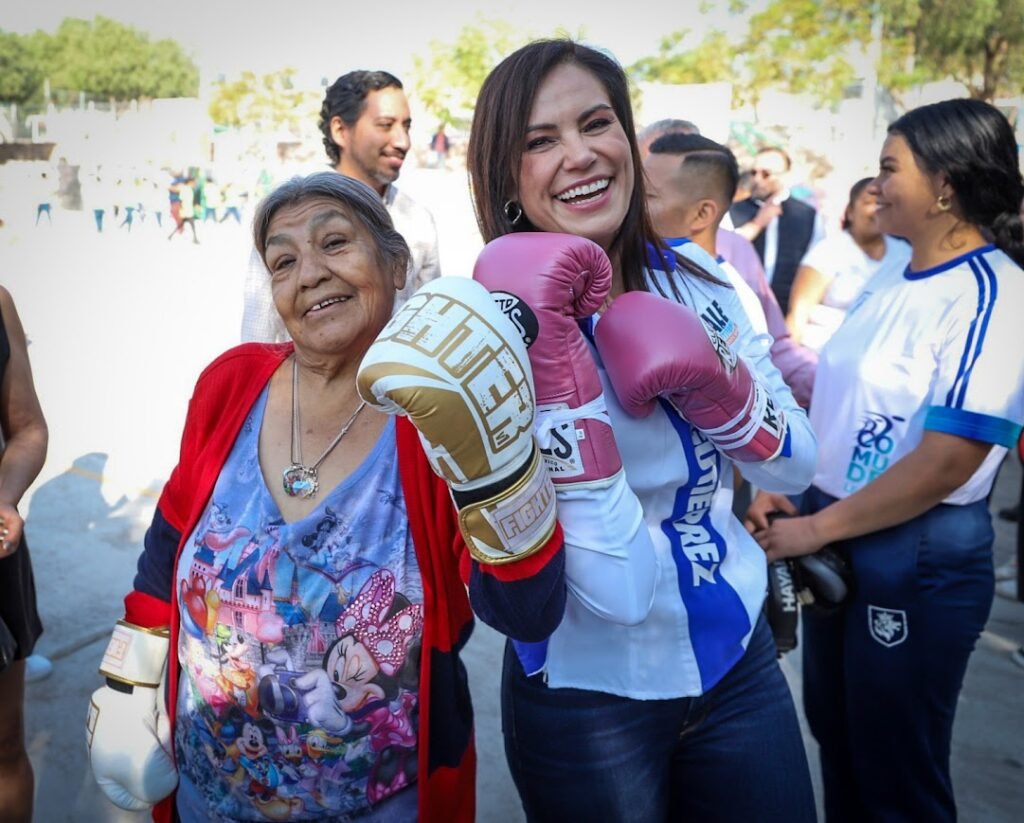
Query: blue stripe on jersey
point(987, 289)
point(949, 264)
point(976, 426)
point(717, 617)
point(787, 444)
point(968, 344)
point(985, 275)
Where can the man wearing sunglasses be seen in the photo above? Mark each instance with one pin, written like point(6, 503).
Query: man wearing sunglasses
point(781, 227)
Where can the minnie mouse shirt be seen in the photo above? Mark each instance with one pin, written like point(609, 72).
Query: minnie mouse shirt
point(300, 643)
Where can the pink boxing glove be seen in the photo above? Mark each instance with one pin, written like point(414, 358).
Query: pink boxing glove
point(652, 347)
point(544, 282)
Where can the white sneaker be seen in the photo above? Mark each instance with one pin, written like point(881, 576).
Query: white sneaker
point(37, 667)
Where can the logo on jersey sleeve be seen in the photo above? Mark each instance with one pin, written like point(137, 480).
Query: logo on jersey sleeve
point(887, 626)
point(715, 317)
point(725, 354)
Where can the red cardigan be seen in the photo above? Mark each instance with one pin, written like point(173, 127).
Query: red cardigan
point(525, 599)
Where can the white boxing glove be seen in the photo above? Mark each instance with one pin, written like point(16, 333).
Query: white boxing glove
point(452, 363)
point(127, 730)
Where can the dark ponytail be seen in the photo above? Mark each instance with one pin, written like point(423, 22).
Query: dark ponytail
point(1008, 231)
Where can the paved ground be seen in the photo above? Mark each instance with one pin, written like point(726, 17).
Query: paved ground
point(120, 326)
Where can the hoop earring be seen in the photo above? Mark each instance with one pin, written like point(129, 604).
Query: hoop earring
point(943, 203)
point(513, 211)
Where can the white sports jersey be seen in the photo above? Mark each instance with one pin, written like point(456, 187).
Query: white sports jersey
point(712, 575)
point(846, 267)
point(942, 350)
point(751, 304)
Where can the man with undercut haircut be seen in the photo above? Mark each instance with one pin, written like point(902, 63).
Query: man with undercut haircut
point(365, 123)
point(691, 182)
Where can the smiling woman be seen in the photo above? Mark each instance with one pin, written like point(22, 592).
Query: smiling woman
point(918, 396)
point(333, 275)
point(669, 370)
point(309, 611)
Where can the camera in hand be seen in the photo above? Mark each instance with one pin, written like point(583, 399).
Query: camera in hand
point(821, 581)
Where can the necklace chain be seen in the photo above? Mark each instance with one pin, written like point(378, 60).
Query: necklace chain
point(301, 480)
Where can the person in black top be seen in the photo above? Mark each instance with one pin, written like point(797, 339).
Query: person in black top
point(25, 435)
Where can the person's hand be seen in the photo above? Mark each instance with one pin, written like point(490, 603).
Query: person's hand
point(763, 505)
point(653, 347)
point(790, 537)
point(11, 526)
point(545, 282)
point(127, 729)
point(457, 367)
point(768, 212)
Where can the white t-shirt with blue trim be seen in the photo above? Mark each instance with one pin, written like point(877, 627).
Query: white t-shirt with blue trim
point(940, 350)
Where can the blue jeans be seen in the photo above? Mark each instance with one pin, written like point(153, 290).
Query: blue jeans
point(732, 754)
point(882, 675)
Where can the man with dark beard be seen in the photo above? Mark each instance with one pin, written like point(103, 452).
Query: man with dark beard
point(365, 122)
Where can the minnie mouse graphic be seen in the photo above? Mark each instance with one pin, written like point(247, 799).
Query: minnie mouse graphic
point(367, 685)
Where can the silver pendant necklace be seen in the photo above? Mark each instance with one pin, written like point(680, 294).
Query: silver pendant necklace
point(301, 480)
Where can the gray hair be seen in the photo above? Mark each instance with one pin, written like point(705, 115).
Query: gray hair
point(360, 201)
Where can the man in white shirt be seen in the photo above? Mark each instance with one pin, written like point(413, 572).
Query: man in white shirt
point(365, 122)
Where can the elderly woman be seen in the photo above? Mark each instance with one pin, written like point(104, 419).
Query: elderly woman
point(307, 568)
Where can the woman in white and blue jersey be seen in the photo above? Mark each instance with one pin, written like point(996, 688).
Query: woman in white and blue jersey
point(918, 396)
point(683, 712)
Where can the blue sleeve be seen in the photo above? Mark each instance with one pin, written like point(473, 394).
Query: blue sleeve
point(529, 609)
point(155, 571)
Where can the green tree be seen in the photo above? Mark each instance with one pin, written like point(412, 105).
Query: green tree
point(107, 59)
point(812, 45)
point(802, 47)
point(712, 60)
point(268, 101)
point(979, 43)
point(21, 76)
point(709, 61)
point(447, 81)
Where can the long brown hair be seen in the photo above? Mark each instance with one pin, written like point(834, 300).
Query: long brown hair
point(496, 146)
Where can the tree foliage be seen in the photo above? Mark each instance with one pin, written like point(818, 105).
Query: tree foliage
point(819, 47)
point(979, 43)
point(101, 58)
point(21, 77)
point(710, 61)
point(269, 101)
point(448, 80)
point(105, 58)
point(800, 46)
